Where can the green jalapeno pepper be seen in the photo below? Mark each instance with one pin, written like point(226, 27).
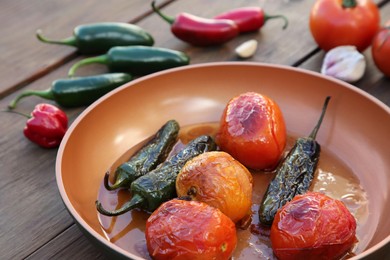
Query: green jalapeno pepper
point(158, 186)
point(79, 91)
point(98, 38)
point(137, 60)
point(294, 175)
point(147, 158)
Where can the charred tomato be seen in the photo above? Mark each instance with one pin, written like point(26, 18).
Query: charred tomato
point(253, 131)
point(181, 229)
point(313, 226)
point(219, 180)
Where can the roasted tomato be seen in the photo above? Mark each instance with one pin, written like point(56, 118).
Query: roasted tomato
point(252, 130)
point(181, 229)
point(219, 180)
point(344, 22)
point(313, 226)
point(380, 49)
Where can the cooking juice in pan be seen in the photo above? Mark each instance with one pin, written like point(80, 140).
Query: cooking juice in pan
point(332, 177)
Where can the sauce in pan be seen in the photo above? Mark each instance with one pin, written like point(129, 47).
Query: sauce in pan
point(332, 177)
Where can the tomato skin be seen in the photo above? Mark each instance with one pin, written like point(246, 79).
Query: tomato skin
point(380, 49)
point(333, 25)
point(181, 229)
point(219, 180)
point(313, 226)
point(252, 130)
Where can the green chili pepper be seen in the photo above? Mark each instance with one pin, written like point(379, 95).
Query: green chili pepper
point(147, 158)
point(137, 60)
point(294, 175)
point(158, 186)
point(79, 91)
point(98, 38)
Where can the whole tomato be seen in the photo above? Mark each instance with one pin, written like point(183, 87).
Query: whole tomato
point(219, 180)
point(181, 229)
point(253, 131)
point(344, 22)
point(313, 226)
point(380, 49)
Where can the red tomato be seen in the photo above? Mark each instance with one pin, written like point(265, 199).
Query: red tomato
point(333, 25)
point(253, 131)
point(181, 229)
point(380, 49)
point(313, 226)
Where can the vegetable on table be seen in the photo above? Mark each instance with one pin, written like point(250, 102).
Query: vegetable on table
point(157, 186)
point(250, 19)
point(136, 60)
point(98, 38)
point(80, 91)
point(200, 31)
point(219, 180)
point(181, 229)
point(380, 49)
point(154, 152)
point(46, 126)
point(345, 63)
point(246, 49)
point(313, 226)
point(294, 174)
point(344, 22)
point(253, 131)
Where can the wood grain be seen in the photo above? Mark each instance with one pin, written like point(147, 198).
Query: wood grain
point(34, 222)
point(24, 58)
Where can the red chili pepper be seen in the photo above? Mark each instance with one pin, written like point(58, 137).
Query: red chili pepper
point(46, 126)
point(200, 31)
point(249, 19)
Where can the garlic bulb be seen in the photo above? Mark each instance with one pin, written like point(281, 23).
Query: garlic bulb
point(246, 49)
point(345, 63)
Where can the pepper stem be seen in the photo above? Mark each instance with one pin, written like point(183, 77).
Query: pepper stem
point(268, 17)
point(119, 182)
point(47, 94)
point(16, 112)
point(103, 59)
point(313, 134)
point(169, 19)
point(71, 41)
point(349, 3)
point(135, 202)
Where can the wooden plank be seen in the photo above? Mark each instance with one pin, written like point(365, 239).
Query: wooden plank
point(275, 45)
point(32, 212)
point(24, 58)
point(81, 248)
point(37, 215)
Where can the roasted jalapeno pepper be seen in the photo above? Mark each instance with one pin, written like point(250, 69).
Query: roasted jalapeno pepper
point(294, 175)
point(137, 60)
point(98, 38)
point(147, 158)
point(158, 186)
point(79, 91)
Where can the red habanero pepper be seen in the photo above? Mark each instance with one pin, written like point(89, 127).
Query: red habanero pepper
point(46, 126)
point(249, 19)
point(200, 31)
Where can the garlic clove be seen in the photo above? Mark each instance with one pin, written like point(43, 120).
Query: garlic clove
point(246, 49)
point(345, 63)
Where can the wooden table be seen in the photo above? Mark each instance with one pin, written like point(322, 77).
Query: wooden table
point(34, 223)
